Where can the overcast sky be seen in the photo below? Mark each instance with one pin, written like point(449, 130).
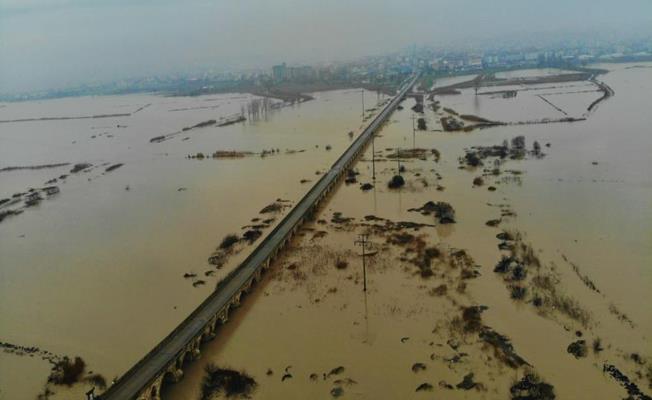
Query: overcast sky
point(56, 43)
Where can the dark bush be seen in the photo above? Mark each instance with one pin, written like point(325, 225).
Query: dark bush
point(228, 241)
point(532, 388)
point(578, 349)
point(227, 381)
point(396, 182)
point(67, 372)
point(518, 292)
point(472, 159)
point(96, 380)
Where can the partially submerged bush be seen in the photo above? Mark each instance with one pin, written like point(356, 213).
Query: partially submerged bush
point(443, 211)
point(532, 387)
point(518, 292)
point(271, 208)
point(578, 349)
point(228, 241)
point(251, 235)
point(96, 380)
point(396, 182)
point(439, 290)
point(472, 317)
point(67, 372)
point(227, 381)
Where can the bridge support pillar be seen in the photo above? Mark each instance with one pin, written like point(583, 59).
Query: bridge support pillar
point(195, 354)
point(224, 317)
point(176, 374)
point(209, 336)
point(153, 391)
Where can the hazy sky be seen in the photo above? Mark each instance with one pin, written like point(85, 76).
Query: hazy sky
point(56, 43)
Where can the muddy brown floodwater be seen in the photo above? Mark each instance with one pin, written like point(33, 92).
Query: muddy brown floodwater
point(435, 311)
point(99, 272)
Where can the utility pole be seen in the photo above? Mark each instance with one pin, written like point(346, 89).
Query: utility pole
point(362, 91)
point(362, 241)
point(413, 132)
point(398, 160)
point(373, 158)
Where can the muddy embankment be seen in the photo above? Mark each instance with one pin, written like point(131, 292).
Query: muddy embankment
point(225, 121)
point(488, 80)
point(22, 201)
point(606, 93)
point(294, 92)
point(63, 118)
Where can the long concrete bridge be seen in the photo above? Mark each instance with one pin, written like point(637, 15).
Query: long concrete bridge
point(165, 361)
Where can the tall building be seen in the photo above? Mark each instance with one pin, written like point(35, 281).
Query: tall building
point(279, 72)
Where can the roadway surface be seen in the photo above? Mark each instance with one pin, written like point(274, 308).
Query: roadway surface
point(143, 373)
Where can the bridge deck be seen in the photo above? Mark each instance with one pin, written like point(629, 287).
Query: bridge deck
point(150, 367)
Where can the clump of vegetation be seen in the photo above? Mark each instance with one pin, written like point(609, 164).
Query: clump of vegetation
point(597, 345)
point(228, 241)
point(472, 159)
point(80, 167)
point(96, 380)
point(472, 317)
point(467, 382)
point(396, 182)
point(336, 371)
point(515, 150)
point(493, 222)
point(341, 264)
point(418, 367)
point(436, 153)
point(517, 292)
point(274, 207)
point(439, 290)
point(113, 167)
point(418, 152)
point(503, 348)
point(401, 238)
point(569, 307)
point(339, 219)
point(478, 181)
point(531, 387)
point(632, 389)
point(225, 381)
point(66, 371)
point(578, 349)
point(251, 235)
point(424, 387)
point(443, 211)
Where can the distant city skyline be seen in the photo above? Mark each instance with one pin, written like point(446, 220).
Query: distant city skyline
point(49, 44)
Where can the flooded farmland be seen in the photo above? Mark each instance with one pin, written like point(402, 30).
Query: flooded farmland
point(97, 270)
point(410, 334)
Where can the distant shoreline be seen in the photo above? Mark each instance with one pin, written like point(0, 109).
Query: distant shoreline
point(287, 91)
